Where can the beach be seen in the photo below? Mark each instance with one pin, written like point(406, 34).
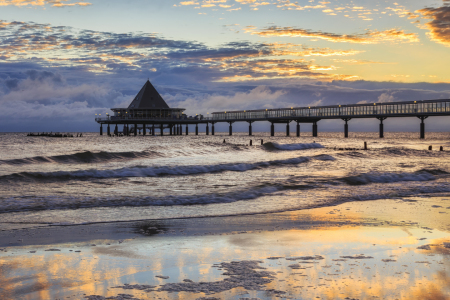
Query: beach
point(384, 249)
point(287, 220)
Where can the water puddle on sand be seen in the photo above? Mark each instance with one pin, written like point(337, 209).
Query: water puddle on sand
point(330, 252)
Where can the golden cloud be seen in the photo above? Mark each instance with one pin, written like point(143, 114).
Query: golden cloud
point(55, 3)
point(369, 37)
point(439, 27)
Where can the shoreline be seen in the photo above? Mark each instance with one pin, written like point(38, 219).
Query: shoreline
point(135, 252)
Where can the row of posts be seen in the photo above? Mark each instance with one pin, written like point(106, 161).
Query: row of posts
point(178, 129)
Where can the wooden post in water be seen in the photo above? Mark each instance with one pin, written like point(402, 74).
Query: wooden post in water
point(288, 130)
point(187, 129)
point(272, 129)
point(250, 142)
point(298, 129)
point(196, 129)
point(262, 142)
point(101, 129)
point(365, 145)
point(207, 128)
point(212, 128)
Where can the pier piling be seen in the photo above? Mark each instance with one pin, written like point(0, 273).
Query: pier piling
point(287, 129)
point(422, 126)
point(212, 128)
point(196, 129)
point(230, 131)
point(346, 126)
point(314, 129)
point(272, 129)
point(101, 129)
point(207, 128)
point(298, 129)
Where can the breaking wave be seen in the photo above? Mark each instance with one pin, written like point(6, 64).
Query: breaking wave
point(375, 177)
point(300, 146)
point(146, 171)
point(84, 157)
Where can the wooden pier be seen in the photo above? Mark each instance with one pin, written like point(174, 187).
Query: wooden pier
point(145, 115)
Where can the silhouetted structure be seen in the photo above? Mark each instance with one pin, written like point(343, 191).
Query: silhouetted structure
point(149, 108)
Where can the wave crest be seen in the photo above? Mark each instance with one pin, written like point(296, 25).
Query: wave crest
point(299, 146)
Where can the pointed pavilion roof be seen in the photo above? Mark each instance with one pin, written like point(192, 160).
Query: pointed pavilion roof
point(148, 98)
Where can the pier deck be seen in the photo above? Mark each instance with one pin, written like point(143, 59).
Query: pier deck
point(421, 109)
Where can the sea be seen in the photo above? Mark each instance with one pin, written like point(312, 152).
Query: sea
point(48, 181)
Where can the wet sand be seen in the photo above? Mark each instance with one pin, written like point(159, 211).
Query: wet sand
point(383, 249)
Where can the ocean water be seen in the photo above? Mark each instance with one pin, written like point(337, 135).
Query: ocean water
point(63, 181)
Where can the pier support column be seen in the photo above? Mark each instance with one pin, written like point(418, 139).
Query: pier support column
point(272, 129)
point(250, 128)
point(187, 129)
point(381, 126)
point(422, 126)
point(196, 129)
point(346, 126)
point(144, 129)
point(153, 129)
point(230, 129)
point(314, 129)
point(207, 128)
point(181, 129)
point(116, 130)
point(162, 129)
point(108, 130)
point(171, 129)
point(101, 129)
point(298, 129)
point(288, 130)
point(212, 128)
point(135, 129)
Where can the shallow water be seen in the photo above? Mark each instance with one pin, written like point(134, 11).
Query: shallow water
point(103, 179)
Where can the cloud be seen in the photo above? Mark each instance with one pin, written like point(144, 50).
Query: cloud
point(439, 27)
point(106, 52)
point(55, 3)
point(369, 37)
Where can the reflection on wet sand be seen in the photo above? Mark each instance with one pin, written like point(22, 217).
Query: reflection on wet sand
point(315, 253)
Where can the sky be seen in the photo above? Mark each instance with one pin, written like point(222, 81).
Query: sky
point(63, 61)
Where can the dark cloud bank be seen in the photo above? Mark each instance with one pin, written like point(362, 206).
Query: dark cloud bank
point(103, 70)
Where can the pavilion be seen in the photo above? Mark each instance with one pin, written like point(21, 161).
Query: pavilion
point(148, 104)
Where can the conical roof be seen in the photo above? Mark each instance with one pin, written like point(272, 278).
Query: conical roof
point(148, 98)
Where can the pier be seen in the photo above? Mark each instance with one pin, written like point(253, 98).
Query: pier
point(149, 112)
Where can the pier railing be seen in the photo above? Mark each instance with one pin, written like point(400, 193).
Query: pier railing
point(366, 110)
